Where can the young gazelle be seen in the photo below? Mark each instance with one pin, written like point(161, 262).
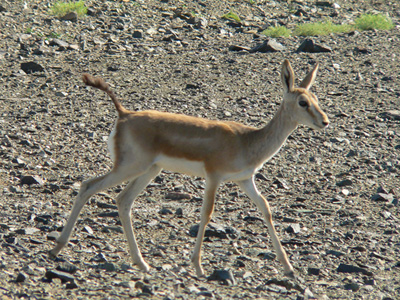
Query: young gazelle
point(143, 143)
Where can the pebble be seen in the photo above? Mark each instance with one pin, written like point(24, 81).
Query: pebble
point(308, 45)
point(224, 276)
point(345, 268)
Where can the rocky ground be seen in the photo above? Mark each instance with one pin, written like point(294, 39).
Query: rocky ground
point(334, 194)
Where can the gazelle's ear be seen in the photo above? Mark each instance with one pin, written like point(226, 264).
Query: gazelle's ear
point(287, 76)
point(309, 80)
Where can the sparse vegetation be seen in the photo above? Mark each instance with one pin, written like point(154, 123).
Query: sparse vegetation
point(370, 22)
point(321, 28)
point(277, 31)
point(61, 8)
point(364, 22)
point(232, 16)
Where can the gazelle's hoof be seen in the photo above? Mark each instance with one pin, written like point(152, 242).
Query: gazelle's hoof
point(144, 267)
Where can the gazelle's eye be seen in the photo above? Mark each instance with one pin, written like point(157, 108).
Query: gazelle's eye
point(303, 103)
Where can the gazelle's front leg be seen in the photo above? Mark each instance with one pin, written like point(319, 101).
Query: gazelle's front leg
point(124, 202)
point(250, 189)
point(207, 209)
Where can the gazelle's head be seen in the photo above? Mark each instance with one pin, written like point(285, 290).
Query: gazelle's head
point(300, 102)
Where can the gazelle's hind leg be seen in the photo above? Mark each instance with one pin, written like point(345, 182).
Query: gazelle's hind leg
point(124, 202)
point(88, 189)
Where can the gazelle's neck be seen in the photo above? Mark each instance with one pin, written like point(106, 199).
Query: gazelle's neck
point(269, 139)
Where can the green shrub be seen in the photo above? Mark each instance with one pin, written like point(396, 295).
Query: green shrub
point(59, 9)
point(277, 31)
point(232, 16)
point(370, 22)
point(321, 28)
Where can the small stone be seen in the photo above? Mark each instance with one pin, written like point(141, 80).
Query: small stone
point(65, 277)
point(353, 286)
point(381, 197)
point(267, 255)
point(21, 277)
point(137, 34)
point(268, 46)
point(335, 253)
point(282, 183)
point(31, 180)
point(215, 230)
point(70, 16)
point(177, 196)
point(31, 67)
point(391, 114)
point(109, 267)
point(314, 271)
point(293, 228)
point(60, 43)
point(344, 268)
point(54, 235)
point(224, 276)
point(345, 182)
point(67, 268)
point(88, 229)
point(238, 48)
point(308, 45)
point(127, 284)
point(165, 211)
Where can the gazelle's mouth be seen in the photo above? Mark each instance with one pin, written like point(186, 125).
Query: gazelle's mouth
point(321, 125)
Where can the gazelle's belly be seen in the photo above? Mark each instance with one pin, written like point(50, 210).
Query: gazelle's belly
point(181, 165)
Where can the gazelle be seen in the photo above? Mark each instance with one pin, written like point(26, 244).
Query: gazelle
point(145, 142)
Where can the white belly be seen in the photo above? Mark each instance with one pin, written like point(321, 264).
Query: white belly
point(180, 165)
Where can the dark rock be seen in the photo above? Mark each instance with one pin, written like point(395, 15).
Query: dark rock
point(165, 211)
point(238, 48)
point(286, 283)
point(382, 197)
point(335, 253)
point(112, 214)
point(31, 67)
point(109, 267)
point(177, 195)
point(21, 277)
point(252, 219)
point(54, 235)
point(281, 183)
point(293, 228)
point(137, 34)
point(344, 268)
point(308, 45)
point(71, 16)
point(179, 212)
point(267, 255)
point(215, 230)
point(71, 285)
point(353, 286)
point(268, 46)
point(106, 205)
point(67, 268)
point(60, 43)
point(65, 277)
point(224, 276)
point(345, 182)
point(314, 271)
point(391, 114)
point(32, 180)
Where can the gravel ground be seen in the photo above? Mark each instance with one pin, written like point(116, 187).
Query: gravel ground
point(334, 194)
